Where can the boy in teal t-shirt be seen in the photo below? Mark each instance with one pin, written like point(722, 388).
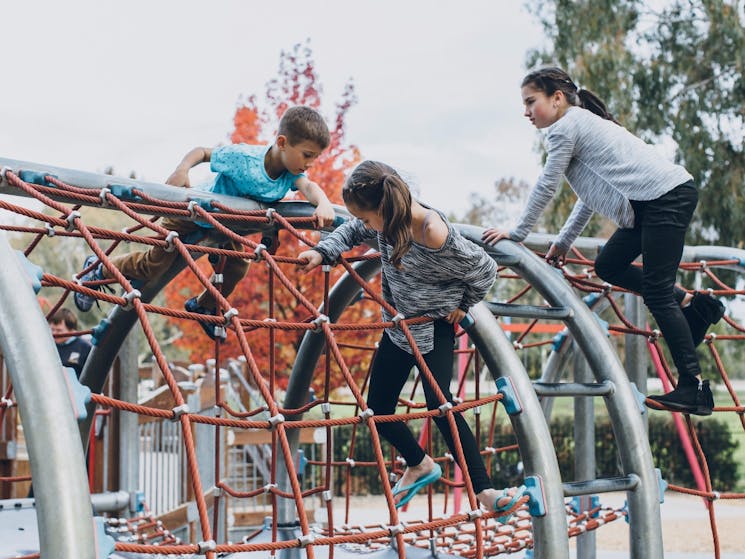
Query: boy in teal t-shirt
point(260, 172)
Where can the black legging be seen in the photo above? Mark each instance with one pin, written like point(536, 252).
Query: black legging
point(659, 236)
point(390, 370)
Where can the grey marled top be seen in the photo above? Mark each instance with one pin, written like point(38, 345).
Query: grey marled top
point(432, 282)
point(606, 166)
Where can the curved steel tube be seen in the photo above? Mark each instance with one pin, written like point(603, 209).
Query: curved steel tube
point(63, 502)
point(623, 406)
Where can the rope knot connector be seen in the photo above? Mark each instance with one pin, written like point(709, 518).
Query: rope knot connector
point(276, 420)
point(319, 321)
point(397, 320)
point(129, 297)
point(206, 546)
point(170, 247)
point(178, 411)
point(70, 220)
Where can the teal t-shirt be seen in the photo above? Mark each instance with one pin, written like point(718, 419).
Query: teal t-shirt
point(241, 172)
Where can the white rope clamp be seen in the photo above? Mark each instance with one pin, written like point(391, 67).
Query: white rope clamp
point(327, 496)
point(192, 212)
point(655, 335)
point(178, 411)
point(70, 220)
point(397, 320)
point(4, 170)
point(366, 414)
point(103, 196)
point(270, 215)
point(350, 461)
point(276, 420)
point(319, 321)
point(7, 402)
point(306, 540)
point(326, 408)
point(396, 529)
point(50, 230)
point(259, 252)
point(269, 487)
point(206, 546)
point(474, 514)
point(229, 314)
point(217, 278)
point(170, 247)
point(446, 407)
point(129, 297)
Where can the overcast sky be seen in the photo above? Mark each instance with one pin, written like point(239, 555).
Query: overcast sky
point(134, 85)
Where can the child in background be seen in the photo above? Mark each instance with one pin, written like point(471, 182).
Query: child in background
point(428, 269)
point(260, 172)
point(73, 350)
point(651, 199)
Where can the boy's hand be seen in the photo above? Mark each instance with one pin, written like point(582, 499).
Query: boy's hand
point(309, 259)
point(324, 214)
point(179, 177)
point(492, 235)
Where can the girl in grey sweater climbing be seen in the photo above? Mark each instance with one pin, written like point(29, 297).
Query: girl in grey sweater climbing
point(428, 269)
point(652, 200)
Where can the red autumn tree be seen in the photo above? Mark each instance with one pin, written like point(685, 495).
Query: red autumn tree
point(296, 84)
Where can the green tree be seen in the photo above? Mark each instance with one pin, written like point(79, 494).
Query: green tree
point(673, 73)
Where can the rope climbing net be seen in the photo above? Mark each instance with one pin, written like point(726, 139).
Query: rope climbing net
point(473, 533)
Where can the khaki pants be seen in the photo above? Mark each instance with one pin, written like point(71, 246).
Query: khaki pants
point(151, 263)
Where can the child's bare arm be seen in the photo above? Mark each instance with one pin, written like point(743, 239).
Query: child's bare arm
point(180, 177)
point(315, 195)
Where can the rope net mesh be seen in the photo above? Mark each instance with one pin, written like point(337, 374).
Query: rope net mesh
point(459, 533)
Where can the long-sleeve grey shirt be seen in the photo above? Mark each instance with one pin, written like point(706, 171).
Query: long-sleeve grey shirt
point(606, 166)
point(433, 282)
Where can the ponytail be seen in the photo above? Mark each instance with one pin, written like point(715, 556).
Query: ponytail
point(396, 210)
point(375, 186)
point(553, 79)
point(588, 100)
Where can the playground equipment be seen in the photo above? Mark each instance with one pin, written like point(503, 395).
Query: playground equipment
point(31, 361)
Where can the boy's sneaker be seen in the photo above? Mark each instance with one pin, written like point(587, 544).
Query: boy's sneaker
point(191, 305)
point(690, 396)
point(703, 311)
point(83, 301)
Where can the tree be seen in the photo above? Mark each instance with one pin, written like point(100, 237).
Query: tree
point(671, 74)
point(297, 83)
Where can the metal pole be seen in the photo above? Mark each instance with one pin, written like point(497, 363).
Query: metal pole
point(63, 502)
point(129, 439)
point(584, 451)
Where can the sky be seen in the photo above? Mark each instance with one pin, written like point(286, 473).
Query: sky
point(134, 85)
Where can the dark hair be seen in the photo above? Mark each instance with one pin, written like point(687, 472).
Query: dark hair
point(303, 123)
point(552, 79)
point(375, 186)
point(64, 315)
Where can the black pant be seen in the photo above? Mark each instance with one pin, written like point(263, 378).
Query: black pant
point(390, 370)
point(659, 236)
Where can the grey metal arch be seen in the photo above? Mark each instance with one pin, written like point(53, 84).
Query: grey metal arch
point(63, 503)
point(531, 431)
point(623, 407)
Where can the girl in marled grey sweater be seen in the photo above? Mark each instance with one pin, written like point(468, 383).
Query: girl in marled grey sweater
point(651, 199)
point(430, 270)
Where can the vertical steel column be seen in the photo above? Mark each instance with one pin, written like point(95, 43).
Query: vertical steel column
point(584, 451)
point(129, 438)
point(63, 503)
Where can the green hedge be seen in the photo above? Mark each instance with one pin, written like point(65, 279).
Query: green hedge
point(506, 469)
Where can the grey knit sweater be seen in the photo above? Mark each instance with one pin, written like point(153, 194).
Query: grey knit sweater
point(606, 166)
point(432, 282)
